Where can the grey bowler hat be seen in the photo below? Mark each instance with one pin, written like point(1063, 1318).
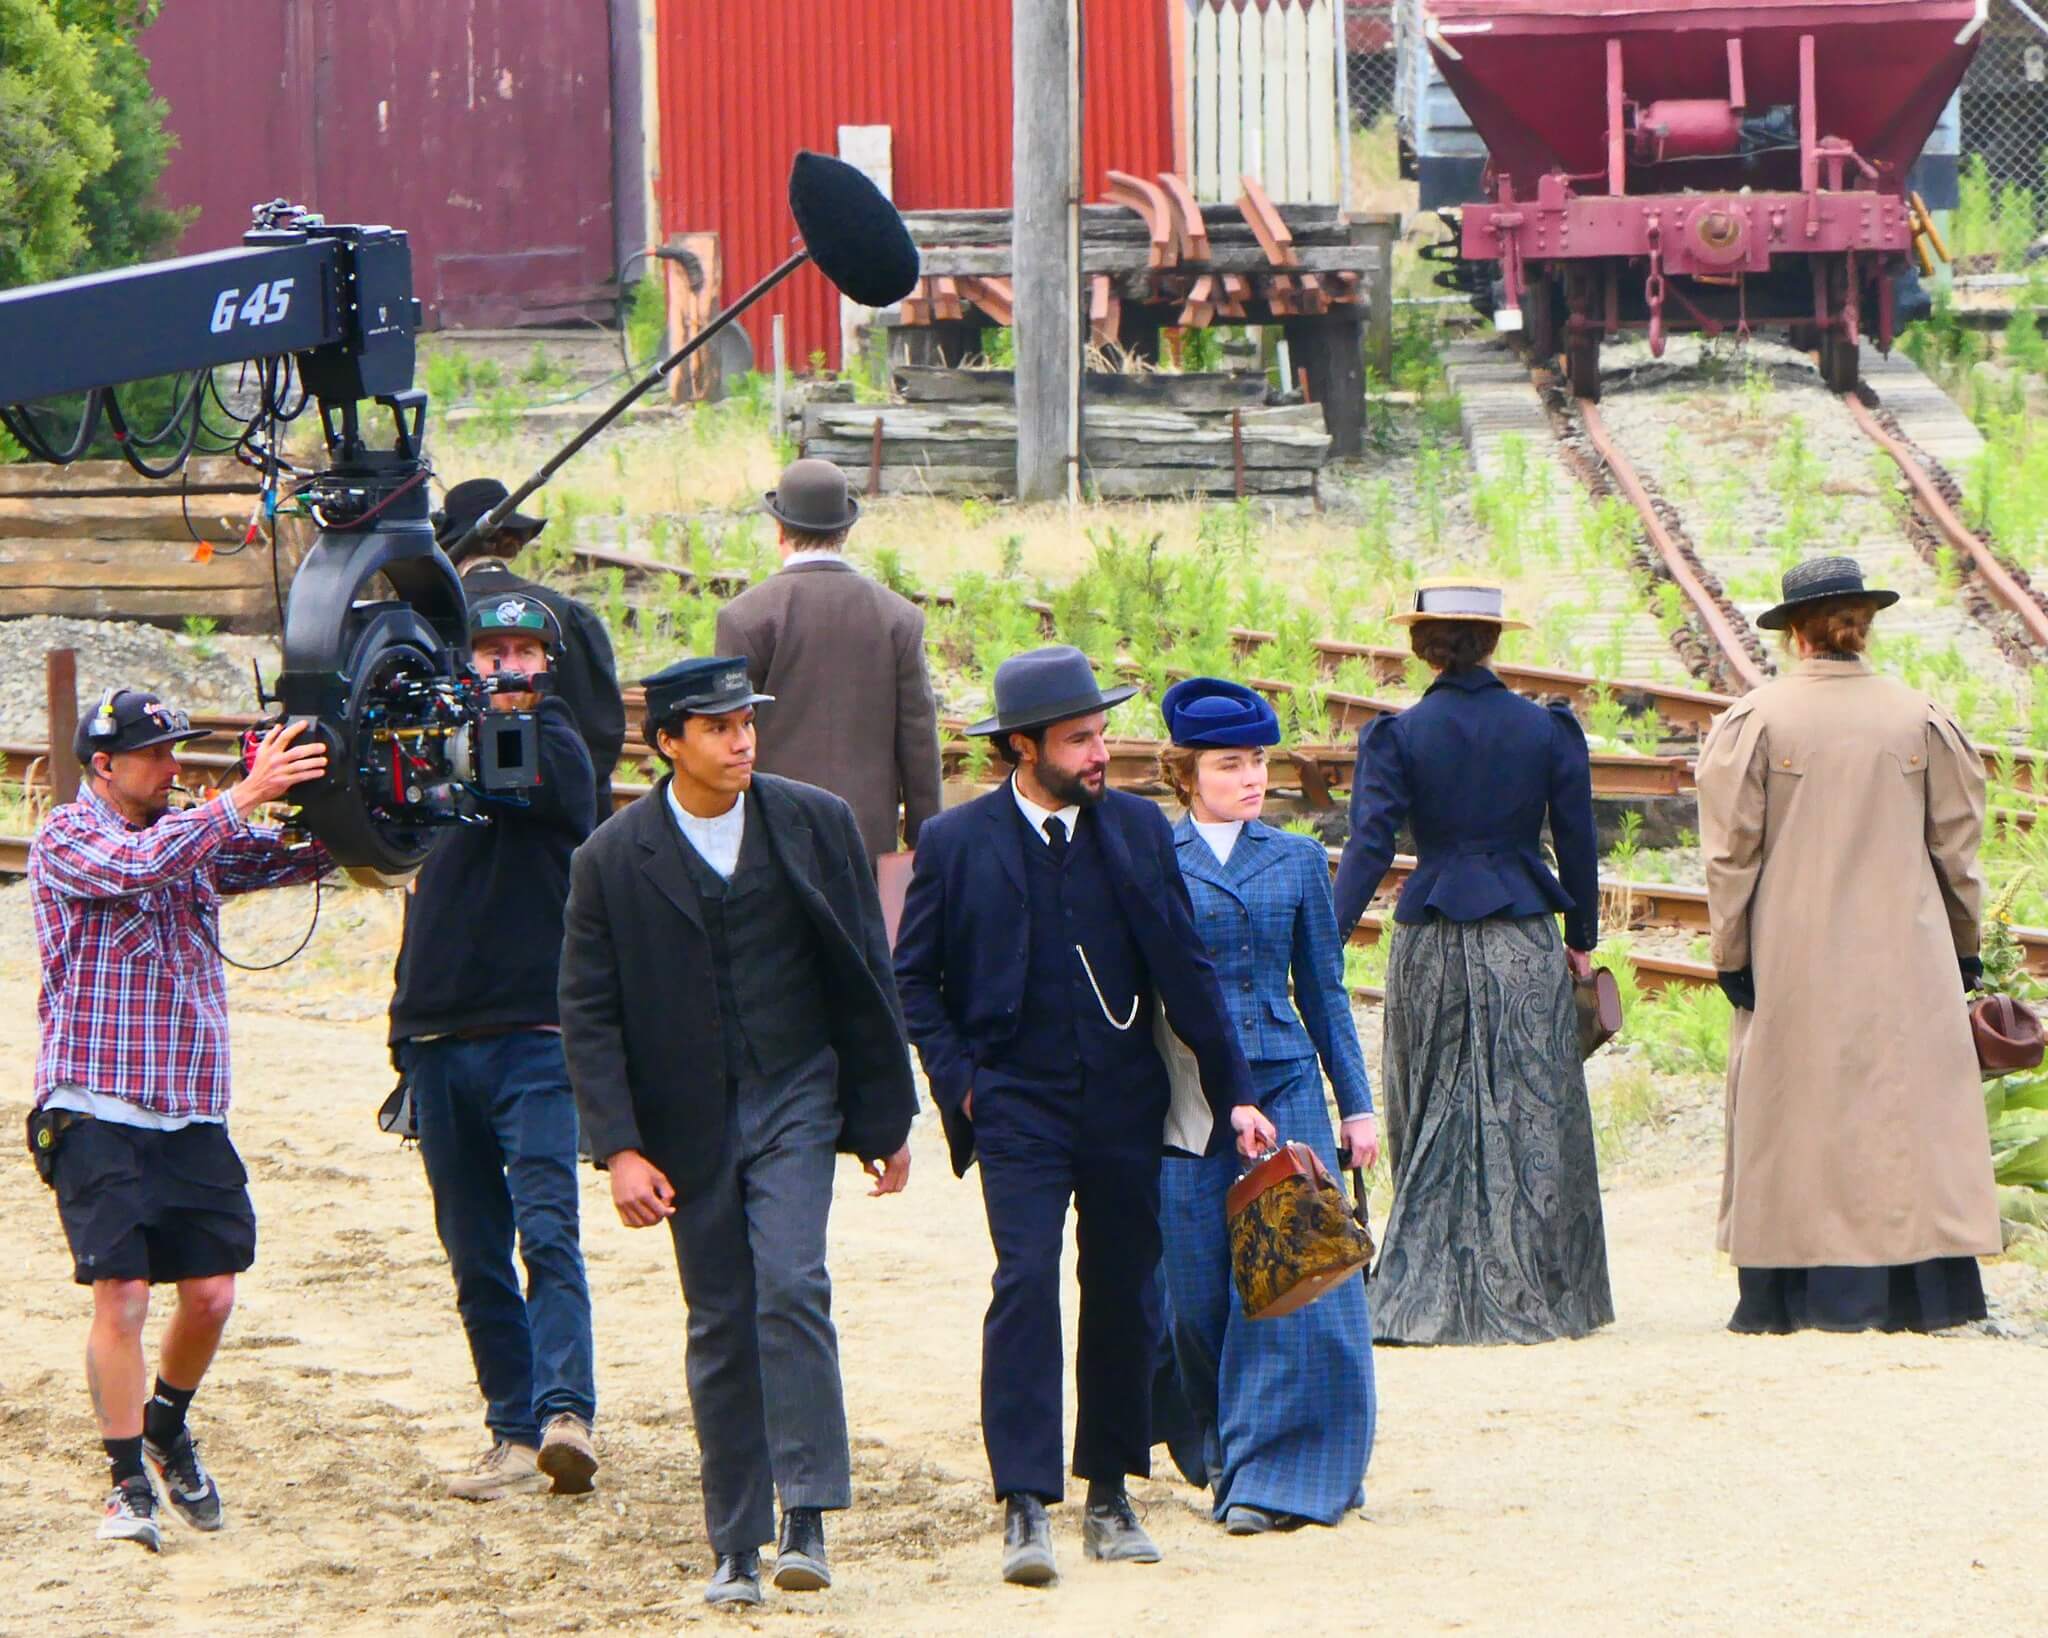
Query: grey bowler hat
point(1820, 577)
point(812, 496)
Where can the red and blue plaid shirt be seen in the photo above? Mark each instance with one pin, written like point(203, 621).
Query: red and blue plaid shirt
point(134, 997)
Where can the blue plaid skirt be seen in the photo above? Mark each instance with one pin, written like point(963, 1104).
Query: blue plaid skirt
point(1285, 1406)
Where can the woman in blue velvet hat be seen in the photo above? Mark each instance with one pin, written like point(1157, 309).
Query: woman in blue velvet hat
point(1285, 1406)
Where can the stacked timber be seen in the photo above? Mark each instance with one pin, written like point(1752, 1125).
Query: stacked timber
point(957, 435)
point(96, 540)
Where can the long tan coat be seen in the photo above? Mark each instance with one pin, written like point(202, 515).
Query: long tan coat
point(1840, 813)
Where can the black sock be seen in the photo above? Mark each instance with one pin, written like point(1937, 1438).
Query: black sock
point(124, 1457)
point(163, 1418)
point(1103, 1491)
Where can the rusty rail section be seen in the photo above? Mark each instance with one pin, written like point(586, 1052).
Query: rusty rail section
point(1734, 652)
point(1998, 579)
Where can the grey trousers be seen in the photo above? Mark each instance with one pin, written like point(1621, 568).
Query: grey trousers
point(763, 1358)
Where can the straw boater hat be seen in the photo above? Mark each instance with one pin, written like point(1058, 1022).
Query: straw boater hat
point(1820, 577)
point(1461, 597)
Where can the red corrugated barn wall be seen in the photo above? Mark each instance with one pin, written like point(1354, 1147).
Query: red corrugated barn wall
point(744, 86)
point(482, 127)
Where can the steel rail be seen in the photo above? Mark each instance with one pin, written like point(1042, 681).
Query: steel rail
point(1733, 651)
point(1998, 579)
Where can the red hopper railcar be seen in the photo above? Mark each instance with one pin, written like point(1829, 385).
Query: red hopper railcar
point(1701, 165)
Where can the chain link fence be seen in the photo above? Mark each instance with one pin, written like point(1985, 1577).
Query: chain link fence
point(2002, 192)
point(1370, 85)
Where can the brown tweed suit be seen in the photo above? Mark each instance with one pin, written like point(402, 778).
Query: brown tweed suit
point(854, 710)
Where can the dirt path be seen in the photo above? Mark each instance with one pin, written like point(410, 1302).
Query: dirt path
point(1662, 1476)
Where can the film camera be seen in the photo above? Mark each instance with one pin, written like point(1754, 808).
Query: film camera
point(376, 637)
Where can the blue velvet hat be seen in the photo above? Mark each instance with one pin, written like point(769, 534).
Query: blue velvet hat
point(1209, 712)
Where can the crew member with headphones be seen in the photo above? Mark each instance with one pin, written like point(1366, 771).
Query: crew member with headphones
point(131, 1082)
point(474, 1030)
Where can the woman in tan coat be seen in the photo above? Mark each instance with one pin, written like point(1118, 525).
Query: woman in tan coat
point(1840, 813)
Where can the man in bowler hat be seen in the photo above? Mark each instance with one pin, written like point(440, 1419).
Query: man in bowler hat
point(1044, 923)
point(585, 676)
point(844, 658)
point(730, 1022)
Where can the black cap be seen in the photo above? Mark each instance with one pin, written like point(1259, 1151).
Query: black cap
point(517, 613)
point(470, 500)
point(130, 719)
point(700, 688)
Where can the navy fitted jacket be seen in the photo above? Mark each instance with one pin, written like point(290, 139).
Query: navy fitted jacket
point(963, 948)
point(1474, 770)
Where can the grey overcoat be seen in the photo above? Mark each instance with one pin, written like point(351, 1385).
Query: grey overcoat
point(1840, 813)
point(854, 710)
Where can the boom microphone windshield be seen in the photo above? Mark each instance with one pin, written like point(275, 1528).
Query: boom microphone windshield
point(851, 230)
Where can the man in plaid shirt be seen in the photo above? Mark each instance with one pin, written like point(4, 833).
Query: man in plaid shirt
point(130, 1124)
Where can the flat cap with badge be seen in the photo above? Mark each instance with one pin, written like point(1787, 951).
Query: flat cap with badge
point(130, 719)
point(707, 687)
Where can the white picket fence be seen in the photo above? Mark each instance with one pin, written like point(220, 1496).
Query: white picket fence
point(1267, 82)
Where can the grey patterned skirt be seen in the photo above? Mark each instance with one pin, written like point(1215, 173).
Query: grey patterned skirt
point(1495, 1233)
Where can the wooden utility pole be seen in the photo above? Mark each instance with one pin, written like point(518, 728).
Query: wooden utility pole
point(60, 692)
point(1045, 127)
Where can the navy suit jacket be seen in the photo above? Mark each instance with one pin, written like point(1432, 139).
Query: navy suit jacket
point(1474, 769)
point(963, 947)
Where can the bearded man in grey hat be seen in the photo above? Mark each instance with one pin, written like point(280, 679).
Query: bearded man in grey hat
point(844, 657)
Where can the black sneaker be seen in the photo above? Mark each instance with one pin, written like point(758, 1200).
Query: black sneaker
point(1110, 1530)
point(131, 1514)
point(188, 1486)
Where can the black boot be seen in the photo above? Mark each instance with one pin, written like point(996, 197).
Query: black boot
point(1111, 1531)
point(737, 1579)
point(1027, 1543)
point(800, 1561)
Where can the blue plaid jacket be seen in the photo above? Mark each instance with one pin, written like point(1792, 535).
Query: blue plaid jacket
point(1266, 913)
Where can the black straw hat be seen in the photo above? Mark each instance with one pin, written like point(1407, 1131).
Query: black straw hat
point(1821, 577)
point(1045, 686)
point(470, 500)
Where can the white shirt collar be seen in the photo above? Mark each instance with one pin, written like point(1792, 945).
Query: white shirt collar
point(717, 841)
point(820, 556)
point(1220, 834)
point(1035, 816)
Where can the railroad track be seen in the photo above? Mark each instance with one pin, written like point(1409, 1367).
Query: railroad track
point(1936, 496)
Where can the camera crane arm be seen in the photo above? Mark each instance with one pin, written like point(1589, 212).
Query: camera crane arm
point(384, 679)
point(339, 299)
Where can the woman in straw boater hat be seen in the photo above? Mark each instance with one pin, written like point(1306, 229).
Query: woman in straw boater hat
point(1495, 1234)
point(1285, 1406)
point(1840, 813)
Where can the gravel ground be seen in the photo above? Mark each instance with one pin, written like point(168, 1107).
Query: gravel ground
point(200, 674)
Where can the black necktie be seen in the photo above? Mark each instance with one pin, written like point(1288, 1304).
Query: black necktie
point(1056, 838)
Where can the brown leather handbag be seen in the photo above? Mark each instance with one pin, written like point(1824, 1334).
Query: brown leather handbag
point(1598, 999)
point(1293, 1235)
point(2007, 1033)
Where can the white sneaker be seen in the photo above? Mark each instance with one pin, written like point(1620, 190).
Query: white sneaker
point(131, 1514)
point(503, 1470)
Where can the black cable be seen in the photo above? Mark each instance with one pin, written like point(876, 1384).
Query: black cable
point(19, 419)
point(298, 949)
point(127, 444)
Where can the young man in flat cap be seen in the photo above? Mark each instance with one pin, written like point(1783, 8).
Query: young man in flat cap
point(1045, 923)
point(585, 677)
point(844, 659)
point(730, 1023)
point(475, 1031)
point(131, 1084)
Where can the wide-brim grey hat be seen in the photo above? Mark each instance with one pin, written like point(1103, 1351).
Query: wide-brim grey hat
point(813, 496)
point(1044, 686)
point(1817, 578)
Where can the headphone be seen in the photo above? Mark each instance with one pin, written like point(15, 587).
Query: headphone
point(103, 724)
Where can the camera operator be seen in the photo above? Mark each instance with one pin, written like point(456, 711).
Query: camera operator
point(130, 1123)
point(585, 676)
point(473, 1028)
